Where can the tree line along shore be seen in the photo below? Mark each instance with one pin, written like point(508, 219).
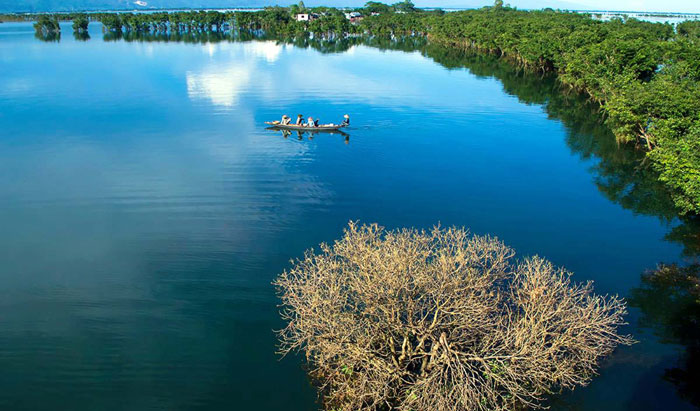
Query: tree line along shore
point(645, 76)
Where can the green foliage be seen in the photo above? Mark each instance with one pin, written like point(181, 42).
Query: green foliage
point(80, 23)
point(376, 7)
point(47, 25)
point(405, 6)
point(689, 29)
point(111, 22)
point(677, 158)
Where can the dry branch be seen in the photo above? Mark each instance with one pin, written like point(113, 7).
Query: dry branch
point(441, 320)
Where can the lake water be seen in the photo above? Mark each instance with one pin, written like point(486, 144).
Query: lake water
point(145, 208)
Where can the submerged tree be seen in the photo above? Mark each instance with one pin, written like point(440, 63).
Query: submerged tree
point(441, 320)
point(80, 23)
point(111, 22)
point(47, 26)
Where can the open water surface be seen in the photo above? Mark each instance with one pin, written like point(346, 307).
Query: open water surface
point(145, 208)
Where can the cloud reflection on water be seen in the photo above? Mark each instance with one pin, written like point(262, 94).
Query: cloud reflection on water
point(237, 69)
point(233, 69)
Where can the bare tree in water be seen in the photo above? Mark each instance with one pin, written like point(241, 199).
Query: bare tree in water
point(441, 320)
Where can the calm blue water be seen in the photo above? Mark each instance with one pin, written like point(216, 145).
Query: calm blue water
point(145, 209)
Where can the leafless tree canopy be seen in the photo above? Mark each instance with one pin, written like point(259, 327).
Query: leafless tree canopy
point(441, 320)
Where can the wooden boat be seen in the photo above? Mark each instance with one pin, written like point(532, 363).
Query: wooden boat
point(321, 127)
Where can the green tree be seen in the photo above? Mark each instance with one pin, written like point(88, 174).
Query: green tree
point(47, 25)
point(376, 7)
point(80, 23)
point(405, 6)
point(111, 22)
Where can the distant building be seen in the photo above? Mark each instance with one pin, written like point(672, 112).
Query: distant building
point(374, 13)
point(305, 17)
point(353, 15)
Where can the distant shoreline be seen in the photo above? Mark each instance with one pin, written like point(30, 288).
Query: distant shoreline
point(630, 13)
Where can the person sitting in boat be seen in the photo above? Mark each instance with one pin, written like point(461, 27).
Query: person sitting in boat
point(316, 123)
point(346, 121)
point(310, 122)
point(285, 120)
point(300, 120)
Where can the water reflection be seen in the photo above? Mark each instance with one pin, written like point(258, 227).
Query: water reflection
point(669, 299)
point(621, 173)
point(153, 240)
point(226, 77)
point(81, 36)
point(311, 134)
point(49, 37)
point(176, 37)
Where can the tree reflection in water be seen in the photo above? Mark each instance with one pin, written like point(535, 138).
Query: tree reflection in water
point(49, 37)
point(81, 36)
point(620, 171)
point(669, 299)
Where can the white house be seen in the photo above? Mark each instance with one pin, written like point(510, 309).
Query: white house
point(306, 16)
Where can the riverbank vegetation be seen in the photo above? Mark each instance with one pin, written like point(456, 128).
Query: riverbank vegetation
point(441, 320)
point(47, 25)
point(80, 23)
point(644, 76)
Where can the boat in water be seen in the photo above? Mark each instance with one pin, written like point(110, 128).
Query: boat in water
point(320, 127)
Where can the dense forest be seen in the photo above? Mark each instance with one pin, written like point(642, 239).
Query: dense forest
point(645, 77)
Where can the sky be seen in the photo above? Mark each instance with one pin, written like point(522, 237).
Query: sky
point(682, 6)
